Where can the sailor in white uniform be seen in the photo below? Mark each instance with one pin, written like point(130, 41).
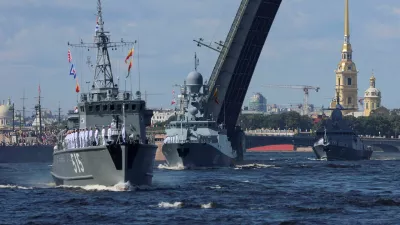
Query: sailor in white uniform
point(103, 135)
point(96, 136)
point(109, 133)
point(90, 137)
point(123, 133)
point(85, 137)
point(76, 138)
point(81, 138)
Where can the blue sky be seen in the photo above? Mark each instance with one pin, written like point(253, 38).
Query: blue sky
point(303, 47)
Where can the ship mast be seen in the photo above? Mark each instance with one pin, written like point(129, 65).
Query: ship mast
point(103, 75)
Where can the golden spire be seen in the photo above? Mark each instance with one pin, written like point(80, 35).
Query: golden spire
point(346, 45)
point(346, 19)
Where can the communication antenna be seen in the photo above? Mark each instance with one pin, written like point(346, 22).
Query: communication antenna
point(196, 61)
point(220, 44)
point(103, 74)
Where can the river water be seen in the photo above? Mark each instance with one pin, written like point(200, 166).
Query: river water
point(269, 188)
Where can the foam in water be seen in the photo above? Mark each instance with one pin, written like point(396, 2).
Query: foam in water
point(14, 187)
point(165, 166)
point(170, 205)
point(95, 187)
point(253, 166)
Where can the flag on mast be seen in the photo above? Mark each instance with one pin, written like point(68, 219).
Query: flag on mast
point(77, 87)
point(129, 68)
point(69, 56)
point(72, 71)
point(97, 24)
point(130, 53)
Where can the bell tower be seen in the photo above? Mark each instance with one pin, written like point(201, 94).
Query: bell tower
point(346, 71)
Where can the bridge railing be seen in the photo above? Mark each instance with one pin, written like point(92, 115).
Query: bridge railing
point(267, 132)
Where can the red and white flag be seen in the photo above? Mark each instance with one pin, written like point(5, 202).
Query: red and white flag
point(173, 92)
point(69, 56)
point(173, 101)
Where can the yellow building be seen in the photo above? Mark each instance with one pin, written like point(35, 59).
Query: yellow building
point(372, 97)
point(346, 72)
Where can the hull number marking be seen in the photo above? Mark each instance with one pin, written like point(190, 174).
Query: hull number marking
point(77, 163)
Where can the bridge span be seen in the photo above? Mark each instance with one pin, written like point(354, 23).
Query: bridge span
point(256, 140)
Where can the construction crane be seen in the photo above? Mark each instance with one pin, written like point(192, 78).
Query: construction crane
point(305, 88)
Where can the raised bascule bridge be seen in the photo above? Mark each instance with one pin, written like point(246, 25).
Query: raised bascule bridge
point(232, 73)
point(235, 65)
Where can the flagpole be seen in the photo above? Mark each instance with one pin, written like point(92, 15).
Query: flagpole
point(138, 63)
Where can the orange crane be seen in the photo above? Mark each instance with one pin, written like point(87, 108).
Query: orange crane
point(305, 88)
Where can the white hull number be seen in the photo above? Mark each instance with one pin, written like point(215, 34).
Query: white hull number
point(77, 163)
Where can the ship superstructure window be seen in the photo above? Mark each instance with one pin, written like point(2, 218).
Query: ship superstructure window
point(133, 107)
point(105, 107)
point(97, 108)
point(112, 107)
point(82, 109)
point(119, 107)
point(366, 105)
point(348, 81)
point(90, 108)
point(338, 81)
point(349, 100)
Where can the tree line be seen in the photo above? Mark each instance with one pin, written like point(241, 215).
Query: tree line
point(377, 124)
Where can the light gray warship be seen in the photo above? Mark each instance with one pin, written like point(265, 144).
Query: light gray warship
point(193, 140)
point(337, 141)
point(85, 156)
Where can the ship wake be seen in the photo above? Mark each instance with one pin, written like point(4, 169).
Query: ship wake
point(95, 187)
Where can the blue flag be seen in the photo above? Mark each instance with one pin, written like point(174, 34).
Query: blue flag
point(72, 71)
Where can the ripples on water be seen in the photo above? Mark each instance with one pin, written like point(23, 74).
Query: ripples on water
point(269, 188)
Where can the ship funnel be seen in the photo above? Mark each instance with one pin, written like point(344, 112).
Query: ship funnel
point(194, 81)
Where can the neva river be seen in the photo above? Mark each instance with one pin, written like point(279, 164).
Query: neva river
point(269, 188)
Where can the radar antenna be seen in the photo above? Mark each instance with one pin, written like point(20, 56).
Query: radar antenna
point(103, 75)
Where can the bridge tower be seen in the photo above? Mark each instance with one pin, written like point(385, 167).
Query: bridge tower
point(346, 71)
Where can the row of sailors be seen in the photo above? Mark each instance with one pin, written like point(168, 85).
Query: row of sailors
point(90, 137)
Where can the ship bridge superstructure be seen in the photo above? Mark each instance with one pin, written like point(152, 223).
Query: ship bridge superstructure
point(238, 58)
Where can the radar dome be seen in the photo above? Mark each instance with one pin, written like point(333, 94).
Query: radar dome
point(193, 111)
point(194, 81)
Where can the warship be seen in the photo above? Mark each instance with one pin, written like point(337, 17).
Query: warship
point(193, 140)
point(337, 141)
point(118, 155)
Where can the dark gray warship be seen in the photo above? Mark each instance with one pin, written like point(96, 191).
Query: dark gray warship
point(193, 140)
point(337, 141)
point(96, 148)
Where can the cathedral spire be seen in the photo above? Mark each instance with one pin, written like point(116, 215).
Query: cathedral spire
point(346, 22)
point(346, 49)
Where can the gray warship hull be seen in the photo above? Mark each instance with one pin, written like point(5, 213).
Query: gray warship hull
point(341, 153)
point(195, 155)
point(105, 165)
point(26, 154)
